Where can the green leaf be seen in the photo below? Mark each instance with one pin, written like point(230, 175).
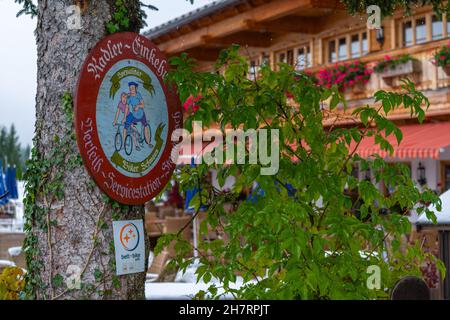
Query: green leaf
point(57, 280)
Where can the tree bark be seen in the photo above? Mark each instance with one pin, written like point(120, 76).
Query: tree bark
point(78, 225)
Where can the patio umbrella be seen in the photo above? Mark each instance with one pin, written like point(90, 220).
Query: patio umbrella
point(191, 210)
point(4, 196)
point(442, 217)
point(11, 183)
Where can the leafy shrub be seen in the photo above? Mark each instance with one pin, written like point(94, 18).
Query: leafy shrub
point(11, 283)
point(302, 237)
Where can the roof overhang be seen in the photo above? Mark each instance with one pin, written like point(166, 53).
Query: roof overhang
point(253, 23)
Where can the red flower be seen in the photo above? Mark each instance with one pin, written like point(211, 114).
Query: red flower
point(191, 103)
point(442, 57)
point(387, 57)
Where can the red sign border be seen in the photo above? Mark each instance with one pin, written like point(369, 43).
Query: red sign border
point(85, 107)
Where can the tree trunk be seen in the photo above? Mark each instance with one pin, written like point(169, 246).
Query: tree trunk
point(69, 220)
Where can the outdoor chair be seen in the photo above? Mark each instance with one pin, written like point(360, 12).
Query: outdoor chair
point(150, 207)
point(157, 265)
point(175, 224)
point(166, 212)
point(150, 226)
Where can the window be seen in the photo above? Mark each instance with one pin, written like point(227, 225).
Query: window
point(303, 58)
point(282, 57)
point(364, 44)
point(265, 59)
point(448, 26)
point(287, 56)
point(308, 57)
point(407, 34)
point(421, 31)
point(253, 70)
point(332, 51)
point(290, 57)
point(445, 175)
point(355, 49)
point(342, 50)
point(348, 47)
point(437, 28)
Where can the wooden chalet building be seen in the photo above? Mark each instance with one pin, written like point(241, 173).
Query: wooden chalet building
point(313, 35)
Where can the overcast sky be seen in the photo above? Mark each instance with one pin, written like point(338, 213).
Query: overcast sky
point(18, 60)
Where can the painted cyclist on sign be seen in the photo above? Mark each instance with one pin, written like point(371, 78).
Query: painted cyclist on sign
point(133, 141)
point(132, 106)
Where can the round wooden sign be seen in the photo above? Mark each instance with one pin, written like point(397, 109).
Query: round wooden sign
point(125, 116)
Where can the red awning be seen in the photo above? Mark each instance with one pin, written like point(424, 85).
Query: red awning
point(419, 141)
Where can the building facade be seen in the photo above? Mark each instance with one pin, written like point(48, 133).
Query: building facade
point(314, 36)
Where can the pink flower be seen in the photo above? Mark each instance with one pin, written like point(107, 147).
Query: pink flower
point(387, 57)
point(191, 103)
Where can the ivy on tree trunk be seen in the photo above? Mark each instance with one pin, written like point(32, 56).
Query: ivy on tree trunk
point(68, 219)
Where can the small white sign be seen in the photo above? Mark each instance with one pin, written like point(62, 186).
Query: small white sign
point(129, 246)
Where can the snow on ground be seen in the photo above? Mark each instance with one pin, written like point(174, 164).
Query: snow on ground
point(186, 287)
point(178, 290)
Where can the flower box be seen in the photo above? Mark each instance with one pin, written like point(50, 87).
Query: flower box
point(410, 67)
point(346, 76)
